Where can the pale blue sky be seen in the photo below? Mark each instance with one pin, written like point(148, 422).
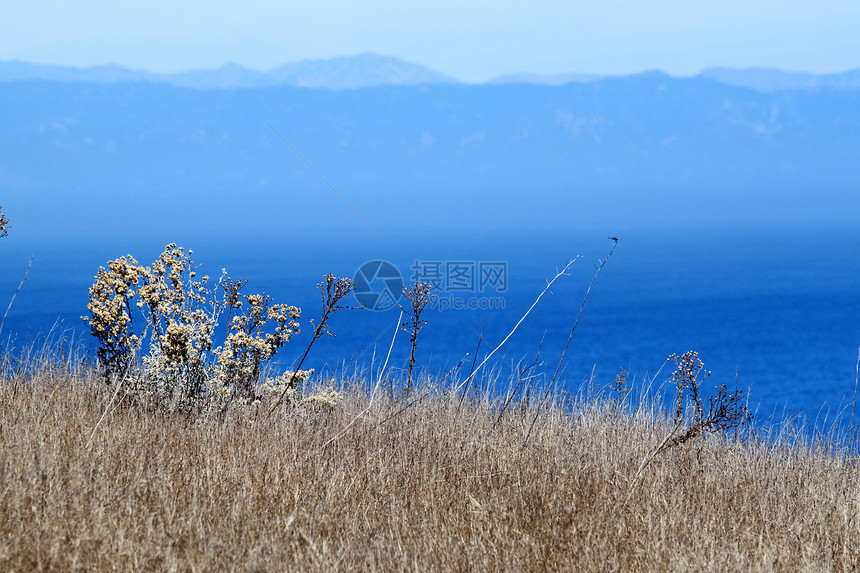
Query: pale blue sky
point(474, 41)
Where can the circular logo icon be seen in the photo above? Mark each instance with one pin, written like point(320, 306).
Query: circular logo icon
point(378, 285)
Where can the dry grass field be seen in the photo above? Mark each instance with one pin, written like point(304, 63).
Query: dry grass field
point(378, 486)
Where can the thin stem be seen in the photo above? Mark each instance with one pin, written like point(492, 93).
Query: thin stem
point(331, 306)
point(502, 343)
point(581, 307)
point(372, 394)
point(8, 308)
point(385, 364)
point(317, 334)
point(472, 368)
point(856, 377)
point(551, 384)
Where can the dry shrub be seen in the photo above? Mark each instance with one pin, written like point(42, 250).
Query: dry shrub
point(180, 366)
point(418, 295)
point(726, 409)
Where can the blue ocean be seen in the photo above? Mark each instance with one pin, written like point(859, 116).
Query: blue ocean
point(773, 311)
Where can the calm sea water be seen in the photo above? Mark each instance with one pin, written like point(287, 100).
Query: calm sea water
point(774, 311)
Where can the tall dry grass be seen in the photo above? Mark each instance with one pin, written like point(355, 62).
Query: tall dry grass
point(374, 486)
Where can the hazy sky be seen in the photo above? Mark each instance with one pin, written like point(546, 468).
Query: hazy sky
point(471, 41)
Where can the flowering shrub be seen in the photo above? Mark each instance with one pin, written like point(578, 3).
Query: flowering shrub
point(178, 365)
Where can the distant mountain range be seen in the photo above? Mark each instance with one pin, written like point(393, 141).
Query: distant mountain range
point(545, 79)
point(366, 70)
point(772, 80)
point(154, 159)
point(370, 70)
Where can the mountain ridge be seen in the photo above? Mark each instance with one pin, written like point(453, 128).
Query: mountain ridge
point(348, 72)
point(372, 70)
